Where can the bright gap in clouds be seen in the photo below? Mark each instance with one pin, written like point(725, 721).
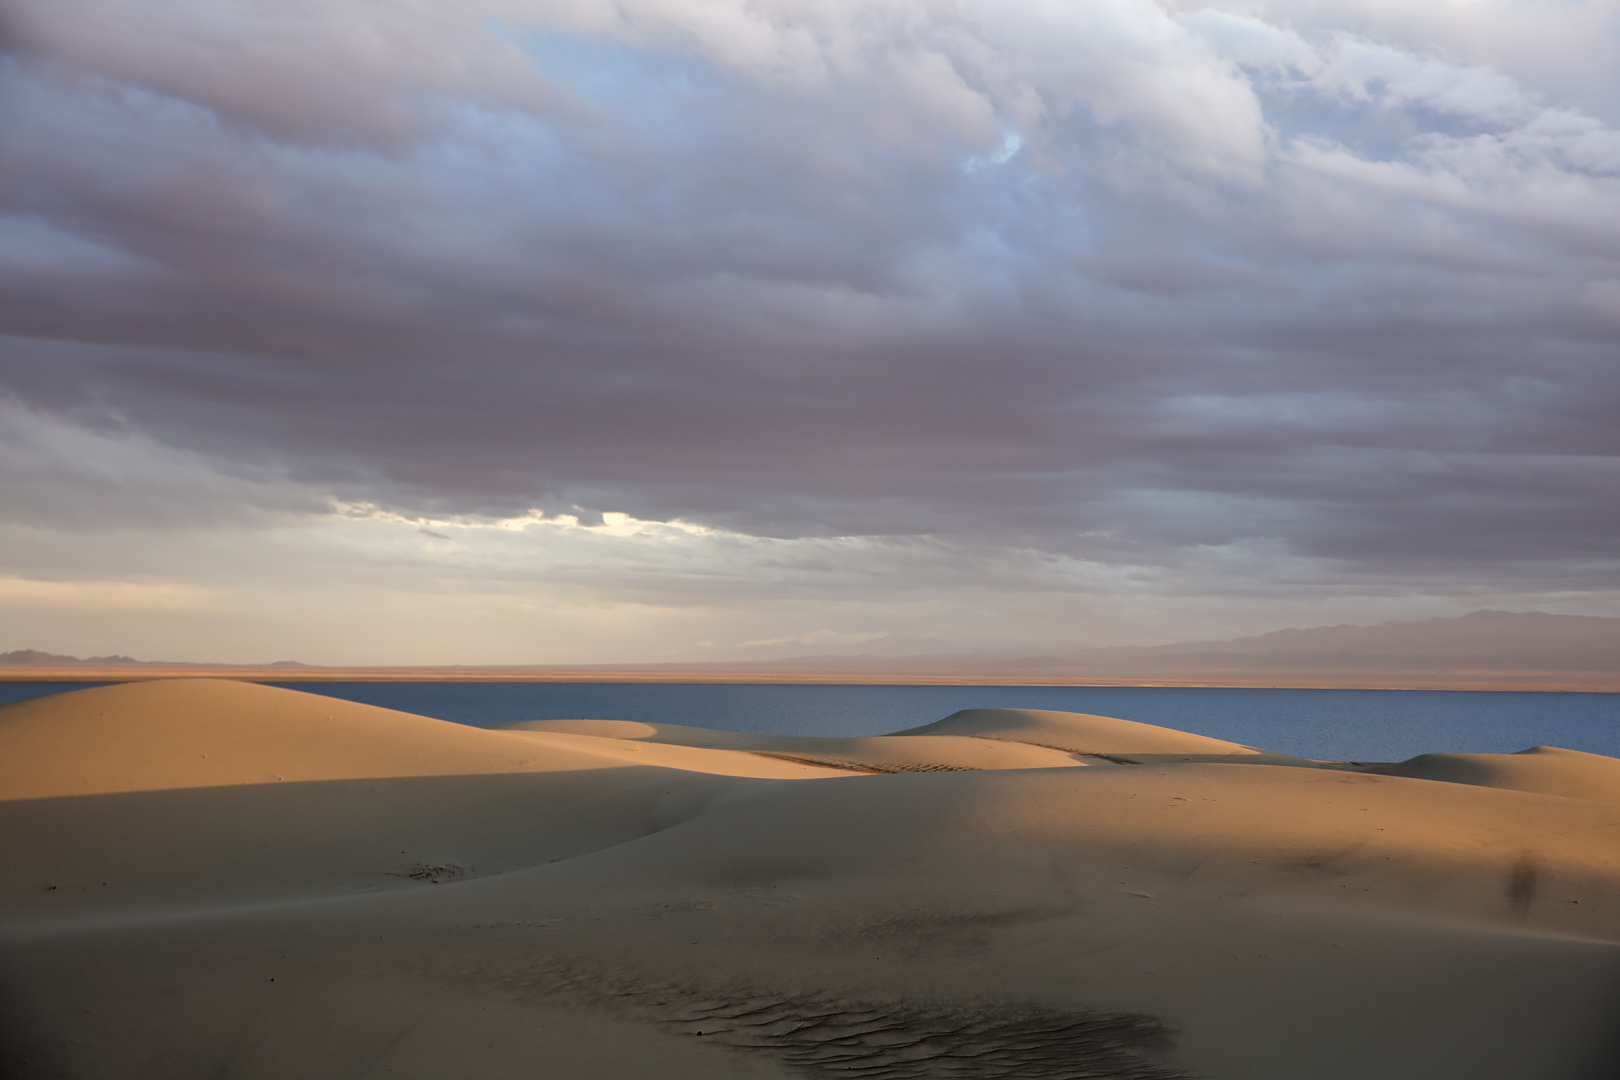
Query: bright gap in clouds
point(524, 332)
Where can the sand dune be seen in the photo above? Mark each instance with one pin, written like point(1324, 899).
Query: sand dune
point(905, 752)
point(1099, 737)
point(1549, 770)
point(211, 878)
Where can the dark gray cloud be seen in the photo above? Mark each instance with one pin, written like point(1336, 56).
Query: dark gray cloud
point(1101, 282)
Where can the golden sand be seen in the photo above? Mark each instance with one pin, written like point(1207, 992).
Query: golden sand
point(209, 878)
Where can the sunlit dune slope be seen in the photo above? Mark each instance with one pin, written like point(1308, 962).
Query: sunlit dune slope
point(205, 792)
point(187, 733)
point(336, 891)
point(916, 753)
point(1106, 736)
point(1548, 770)
point(970, 739)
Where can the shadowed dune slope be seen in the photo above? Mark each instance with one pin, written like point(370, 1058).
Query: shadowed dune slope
point(1098, 736)
point(1548, 770)
point(204, 792)
point(337, 892)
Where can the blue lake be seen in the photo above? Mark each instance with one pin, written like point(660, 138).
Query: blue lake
point(1359, 725)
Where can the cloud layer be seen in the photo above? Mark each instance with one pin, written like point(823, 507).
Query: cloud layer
point(1329, 292)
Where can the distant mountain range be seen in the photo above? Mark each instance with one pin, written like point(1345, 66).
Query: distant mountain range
point(1486, 649)
point(36, 658)
point(1530, 639)
point(1482, 640)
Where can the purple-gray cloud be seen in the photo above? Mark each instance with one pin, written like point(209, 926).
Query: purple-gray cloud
point(1098, 280)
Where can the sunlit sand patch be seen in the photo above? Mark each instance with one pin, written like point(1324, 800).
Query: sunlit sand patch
point(209, 877)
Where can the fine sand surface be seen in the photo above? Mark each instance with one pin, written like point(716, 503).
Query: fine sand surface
point(216, 879)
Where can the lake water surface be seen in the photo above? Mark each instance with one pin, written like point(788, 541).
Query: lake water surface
point(1359, 725)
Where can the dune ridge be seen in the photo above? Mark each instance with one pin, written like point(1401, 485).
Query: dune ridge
point(207, 877)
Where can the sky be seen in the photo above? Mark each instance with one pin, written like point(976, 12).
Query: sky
point(587, 331)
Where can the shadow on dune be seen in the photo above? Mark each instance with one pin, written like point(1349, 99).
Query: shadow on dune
point(198, 847)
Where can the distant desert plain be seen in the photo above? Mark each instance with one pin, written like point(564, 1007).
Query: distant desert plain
point(211, 878)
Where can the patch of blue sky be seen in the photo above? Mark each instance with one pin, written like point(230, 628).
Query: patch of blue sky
point(1018, 206)
point(1297, 113)
point(1010, 225)
point(497, 160)
point(1056, 206)
point(491, 179)
point(1372, 129)
point(646, 88)
point(1011, 143)
point(477, 128)
point(655, 121)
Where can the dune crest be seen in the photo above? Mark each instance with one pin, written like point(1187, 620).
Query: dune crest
point(1100, 737)
point(187, 733)
point(1545, 770)
point(209, 878)
point(877, 754)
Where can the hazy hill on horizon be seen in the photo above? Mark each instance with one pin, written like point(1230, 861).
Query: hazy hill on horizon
point(1485, 640)
point(1480, 634)
point(1527, 641)
point(39, 658)
point(42, 659)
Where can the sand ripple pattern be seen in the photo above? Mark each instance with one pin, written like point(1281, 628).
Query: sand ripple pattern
point(899, 1042)
point(905, 1040)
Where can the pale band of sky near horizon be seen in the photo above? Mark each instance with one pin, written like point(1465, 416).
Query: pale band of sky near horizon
point(515, 331)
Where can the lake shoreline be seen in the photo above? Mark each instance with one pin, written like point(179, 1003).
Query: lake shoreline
point(1528, 681)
